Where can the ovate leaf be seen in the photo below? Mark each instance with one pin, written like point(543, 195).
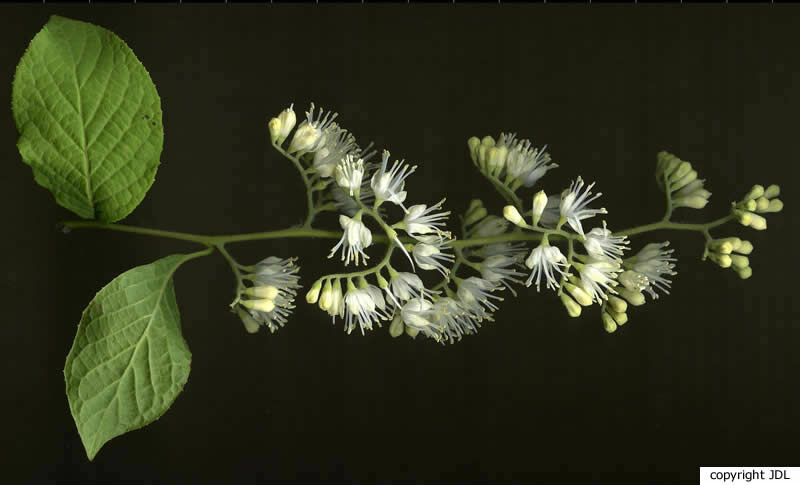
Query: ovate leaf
point(129, 360)
point(89, 119)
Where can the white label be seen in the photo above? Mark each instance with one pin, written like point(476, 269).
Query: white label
point(751, 475)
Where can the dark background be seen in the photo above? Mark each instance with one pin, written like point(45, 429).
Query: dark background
point(706, 376)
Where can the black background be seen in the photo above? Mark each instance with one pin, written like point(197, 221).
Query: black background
point(706, 376)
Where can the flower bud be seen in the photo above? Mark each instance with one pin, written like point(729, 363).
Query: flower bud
point(579, 294)
point(274, 126)
point(382, 283)
point(745, 273)
point(772, 191)
point(723, 260)
point(288, 120)
point(682, 182)
point(745, 248)
point(313, 294)
point(539, 203)
point(758, 222)
point(617, 304)
point(775, 205)
point(761, 204)
point(739, 261)
point(264, 305)
point(573, 309)
point(474, 215)
point(396, 327)
point(268, 292)
point(751, 205)
point(250, 323)
point(411, 331)
point(608, 323)
point(744, 217)
point(722, 246)
point(635, 298)
point(620, 318)
point(512, 215)
point(473, 143)
point(325, 298)
point(755, 192)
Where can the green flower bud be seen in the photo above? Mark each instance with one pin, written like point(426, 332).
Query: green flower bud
point(411, 332)
point(620, 318)
point(325, 298)
point(268, 292)
point(775, 205)
point(512, 215)
point(573, 309)
point(475, 215)
point(723, 260)
point(579, 294)
point(690, 176)
point(397, 326)
point(772, 191)
point(750, 205)
point(635, 298)
point(739, 262)
point(382, 283)
point(473, 143)
point(617, 304)
point(608, 323)
point(313, 294)
point(683, 169)
point(745, 273)
point(263, 305)
point(722, 246)
point(539, 203)
point(274, 126)
point(756, 192)
point(744, 217)
point(761, 204)
point(745, 248)
point(250, 323)
point(758, 222)
point(497, 159)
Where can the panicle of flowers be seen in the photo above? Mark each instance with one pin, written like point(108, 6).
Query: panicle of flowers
point(269, 301)
point(731, 252)
point(677, 177)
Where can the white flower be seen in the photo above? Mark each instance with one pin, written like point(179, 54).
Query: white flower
point(417, 314)
point(270, 299)
point(355, 238)
point(421, 220)
point(598, 276)
point(337, 147)
point(364, 305)
point(546, 260)
point(349, 173)
point(528, 164)
point(453, 319)
point(312, 134)
point(573, 205)
point(475, 294)
point(405, 286)
point(653, 262)
point(429, 255)
point(499, 268)
point(388, 185)
point(599, 242)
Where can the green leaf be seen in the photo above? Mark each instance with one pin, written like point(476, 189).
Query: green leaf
point(129, 360)
point(89, 119)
